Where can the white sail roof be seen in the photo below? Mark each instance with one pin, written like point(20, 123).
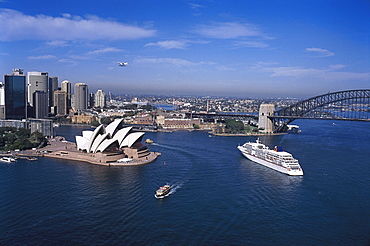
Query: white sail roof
point(87, 134)
point(105, 144)
point(112, 127)
point(82, 143)
point(100, 129)
point(102, 138)
point(131, 139)
point(98, 140)
point(121, 134)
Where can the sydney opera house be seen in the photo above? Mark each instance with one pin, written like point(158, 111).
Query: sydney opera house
point(110, 145)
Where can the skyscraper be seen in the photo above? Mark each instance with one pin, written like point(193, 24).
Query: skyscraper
point(37, 81)
point(100, 99)
point(2, 101)
point(40, 104)
point(66, 87)
point(81, 94)
point(60, 99)
point(15, 95)
point(91, 99)
point(53, 86)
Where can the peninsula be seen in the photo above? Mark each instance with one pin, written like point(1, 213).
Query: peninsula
point(114, 145)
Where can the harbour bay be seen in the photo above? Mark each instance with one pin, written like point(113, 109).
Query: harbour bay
point(221, 198)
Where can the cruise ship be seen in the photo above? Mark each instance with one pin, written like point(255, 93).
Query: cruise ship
point(276, 159)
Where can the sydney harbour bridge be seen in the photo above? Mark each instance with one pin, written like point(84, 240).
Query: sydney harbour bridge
point(350, 105)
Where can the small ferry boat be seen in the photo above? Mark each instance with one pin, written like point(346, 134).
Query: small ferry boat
point(149, 141)
point(163, 191)
point(276, 159)
point(7, 159)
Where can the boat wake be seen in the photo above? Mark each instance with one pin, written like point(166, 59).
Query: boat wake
point(174, 188)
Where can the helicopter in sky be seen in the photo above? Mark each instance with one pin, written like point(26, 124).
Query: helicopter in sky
point(122, 64)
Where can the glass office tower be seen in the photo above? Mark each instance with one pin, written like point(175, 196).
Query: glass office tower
point(15, 95)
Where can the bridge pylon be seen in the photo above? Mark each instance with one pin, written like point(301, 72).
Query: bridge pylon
point(265, 124)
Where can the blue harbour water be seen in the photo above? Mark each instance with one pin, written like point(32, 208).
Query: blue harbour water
point(221, 198)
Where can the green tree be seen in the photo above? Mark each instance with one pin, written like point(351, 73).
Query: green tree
point(234, 126)
point(95, 123)
point(23, 133)
point(13, 138)
point(105, 121)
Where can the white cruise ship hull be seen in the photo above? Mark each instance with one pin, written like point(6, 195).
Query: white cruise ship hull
point(271, 165)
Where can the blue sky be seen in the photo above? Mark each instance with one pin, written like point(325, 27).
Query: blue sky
point(243, 48)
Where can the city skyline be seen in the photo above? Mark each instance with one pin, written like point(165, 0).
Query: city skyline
point(216, 48)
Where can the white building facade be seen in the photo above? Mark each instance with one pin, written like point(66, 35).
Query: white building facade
point(100, 99)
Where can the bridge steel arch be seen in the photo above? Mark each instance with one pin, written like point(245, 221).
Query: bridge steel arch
point(286, 115)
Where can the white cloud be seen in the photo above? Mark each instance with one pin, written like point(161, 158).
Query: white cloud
point(15, 25)
point(319, 52)
point(169, 44)
point(170, 61)
point(58, 43)
point(265, 64)
point(329, 74)
point(104, 50)
point(195, 6)
point(68, 61)
point(251, 44)
point(228, 30)
point(43, 57)
point(225, 68)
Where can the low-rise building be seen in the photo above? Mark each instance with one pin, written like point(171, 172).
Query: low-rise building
point(83, 118)
point(179, 123)
point(143, 119)
point(43, 126)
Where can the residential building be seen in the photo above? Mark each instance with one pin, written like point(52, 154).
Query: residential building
point(100, 99)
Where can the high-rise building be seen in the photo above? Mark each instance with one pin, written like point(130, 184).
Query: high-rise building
point(37, 81)
point(53, 86)
point(40, 104)
point(100, 99)
point(66, 86)
point(60, 99)
point(15, 95)
point(91, 99)
point(81, 93)
point(2, 101)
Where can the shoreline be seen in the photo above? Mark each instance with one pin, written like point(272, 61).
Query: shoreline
point(59, 148)
point(246, 134)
